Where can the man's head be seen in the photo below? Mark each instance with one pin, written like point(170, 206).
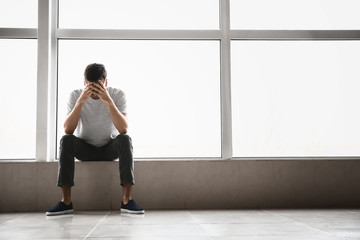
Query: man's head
point(95, 72)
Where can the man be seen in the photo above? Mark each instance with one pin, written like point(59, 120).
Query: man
point(98, 114)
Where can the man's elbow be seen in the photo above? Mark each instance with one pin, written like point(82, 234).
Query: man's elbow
point(123, 131)
point(68, 131)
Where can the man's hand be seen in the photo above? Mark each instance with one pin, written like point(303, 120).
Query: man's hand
point(119, 119)
point(72, 119)
point(86, 93)
point(99, 89)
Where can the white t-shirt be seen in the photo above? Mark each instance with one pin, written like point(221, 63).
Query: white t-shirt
point(95, 125)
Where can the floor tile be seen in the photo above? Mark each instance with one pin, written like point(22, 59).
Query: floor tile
point(4, 217)
point(313, 216)
point(78, 218)
point(291, 229)
point(287, 237)
point(236, 216)
point(156, 238)
point(352, 210)
point(25, 231)
point(265, 224)
point(150, 231)
point(349, 230)
point(150, 217)
point(40, 226)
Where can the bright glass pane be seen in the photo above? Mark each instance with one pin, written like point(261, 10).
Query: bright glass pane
point(18, 104)
point(139, 14)
point(295, 98)
point(172, 90)
point(295, 14)
point(18, 13)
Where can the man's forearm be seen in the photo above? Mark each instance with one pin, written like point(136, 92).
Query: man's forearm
point(119, 120)
point(72, 120)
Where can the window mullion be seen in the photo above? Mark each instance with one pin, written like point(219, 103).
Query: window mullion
point(15, 33)
point(225, 81)
point(42, 126)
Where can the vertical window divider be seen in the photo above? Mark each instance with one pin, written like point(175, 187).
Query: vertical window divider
point(225, 81)
point(45, 82)
point(42, 81)
point(53, 80)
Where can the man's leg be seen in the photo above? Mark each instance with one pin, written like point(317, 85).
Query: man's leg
point(126, 165)
point(127, 193)
point(70, 147)
point(65, 175)
point(121, 147)
point(66, 166)
point(66, 194)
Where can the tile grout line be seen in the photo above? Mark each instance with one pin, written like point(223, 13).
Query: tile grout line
point(200, 225)
point(101, 220)
point(189, 213)
point(329, 234)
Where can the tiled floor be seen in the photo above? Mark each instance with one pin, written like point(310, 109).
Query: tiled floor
point(263, 224)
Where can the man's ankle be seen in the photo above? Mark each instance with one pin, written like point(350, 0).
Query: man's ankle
point(66, 202)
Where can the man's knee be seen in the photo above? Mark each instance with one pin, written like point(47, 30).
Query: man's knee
point(124, 140)
point(67, 140)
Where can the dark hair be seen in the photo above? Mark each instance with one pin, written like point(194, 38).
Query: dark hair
point(95, 72)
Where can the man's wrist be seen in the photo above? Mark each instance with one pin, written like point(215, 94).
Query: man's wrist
point(80, 102)
point(110, 102)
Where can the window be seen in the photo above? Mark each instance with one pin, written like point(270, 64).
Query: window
point(295, 98)
point(221, 79)
point(18, 13)
point(295, 14)
point(18, 61)
point(139, 14)
point(172, 89)
point(18, 105)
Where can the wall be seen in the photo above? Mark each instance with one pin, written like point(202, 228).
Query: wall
point(188, 184)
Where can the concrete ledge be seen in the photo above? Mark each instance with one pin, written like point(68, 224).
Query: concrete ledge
point(188, 184)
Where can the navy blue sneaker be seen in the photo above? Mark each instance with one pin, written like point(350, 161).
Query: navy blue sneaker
point(131, 207)
point(60, 208)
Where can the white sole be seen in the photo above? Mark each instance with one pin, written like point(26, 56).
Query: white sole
point(59, 213)
point(130, 211)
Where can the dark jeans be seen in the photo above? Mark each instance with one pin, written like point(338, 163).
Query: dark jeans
point(73, 147)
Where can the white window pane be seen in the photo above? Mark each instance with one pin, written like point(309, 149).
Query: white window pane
point(295, 14)
point(295, 98)
point(139, 14)
point(18, 104)
point(172, 89)
point(18, 13)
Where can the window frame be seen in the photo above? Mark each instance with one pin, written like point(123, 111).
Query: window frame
point(48, 35)
point(19, 33)
point(155, 34)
